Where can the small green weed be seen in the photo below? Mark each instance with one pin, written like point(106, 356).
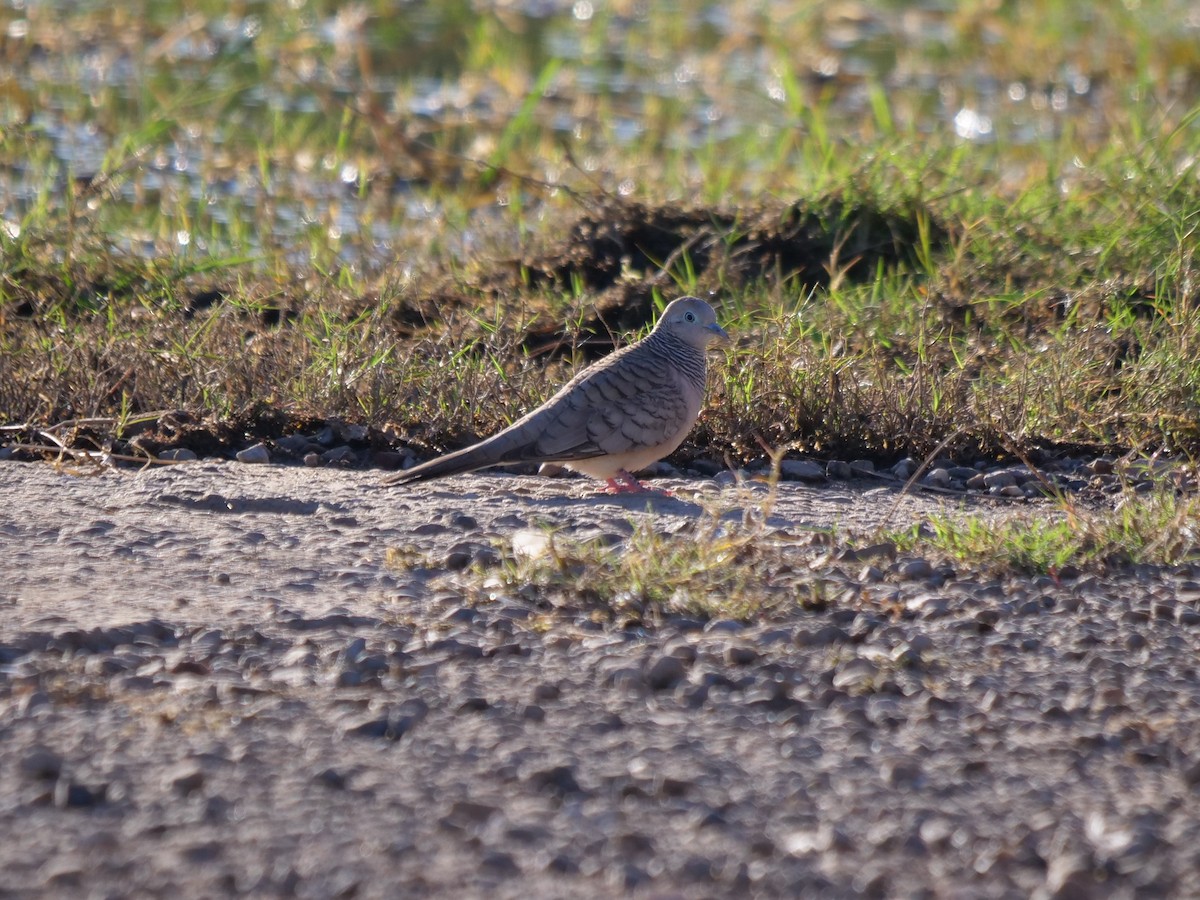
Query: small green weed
point(1156, 529)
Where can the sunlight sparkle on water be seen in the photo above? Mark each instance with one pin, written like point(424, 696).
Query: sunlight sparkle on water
point(972, 125)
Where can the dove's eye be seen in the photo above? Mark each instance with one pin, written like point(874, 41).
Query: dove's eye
point(691, 317)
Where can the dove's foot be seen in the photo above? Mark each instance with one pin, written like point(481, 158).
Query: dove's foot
point(624, 483)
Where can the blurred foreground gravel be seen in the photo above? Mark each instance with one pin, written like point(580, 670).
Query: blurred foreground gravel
point(212, 684)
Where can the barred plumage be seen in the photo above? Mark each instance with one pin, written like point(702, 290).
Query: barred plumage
point(619, 415)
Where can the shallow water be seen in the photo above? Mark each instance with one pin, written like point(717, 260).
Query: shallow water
point(235, 108)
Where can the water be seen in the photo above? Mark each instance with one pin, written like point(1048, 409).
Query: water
point(80, 77)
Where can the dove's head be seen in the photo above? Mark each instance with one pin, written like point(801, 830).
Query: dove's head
point(692, 320)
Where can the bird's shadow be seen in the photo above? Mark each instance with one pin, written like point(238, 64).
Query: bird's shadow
point(717, 506)
point(726, 505)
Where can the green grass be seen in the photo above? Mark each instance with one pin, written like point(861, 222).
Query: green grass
point(1156, 530)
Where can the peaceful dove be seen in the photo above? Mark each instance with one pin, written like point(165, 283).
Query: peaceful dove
point(620, 414)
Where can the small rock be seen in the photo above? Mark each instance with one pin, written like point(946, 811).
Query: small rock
point(822, 637)
point(938, 478)
point(352, 433)
point(531, 543)
point(854, 675)
point(255, 454)
point(461, 615)
point(730, 477)
point(901, 773)
point(914, 569)
point(862, 467)
point(312, 460)
point(389, 459)
point(339, 456)
point(41, 763)
point(178, 454)
point(464, 522)
point(1069, 877)
point(740, 655)
point(724, 626)
point(561, 864)
point(683, 651)
point(836, 468)
point(294, 444)
point(929, 606)
point(871, 574)
point(905, 468)
point(665, 672)
point(468, 813)
point(466, 553)
point(395, 724)
point(801, 470)
point(185, 778)
point(557, 780)
point(546, 691)
point(498, 862)
point(72, 795)
point(332, 779)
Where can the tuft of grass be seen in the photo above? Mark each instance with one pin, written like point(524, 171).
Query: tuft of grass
point(717, 567)
point(1160, 529)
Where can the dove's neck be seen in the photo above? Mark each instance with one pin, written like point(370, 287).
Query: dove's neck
point(685, 357)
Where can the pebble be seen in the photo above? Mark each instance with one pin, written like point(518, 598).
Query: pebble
point(41, 763)
point(293, 444)
point(938, 478)
point(855, 675)
point(664, 672)
point(914, 569)
point(531, 543)
point(836, 468)
point(730, 477)
point(70, 794)
point(998, 480)
point(557, 780)
point(741, 655)
point(255, 454)
point(339, 456)
point(185, 778)
point(801, 470)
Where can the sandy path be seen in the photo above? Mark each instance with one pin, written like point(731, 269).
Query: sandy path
point(213, 684)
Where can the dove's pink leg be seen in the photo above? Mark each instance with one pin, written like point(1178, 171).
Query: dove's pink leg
point(624, 483)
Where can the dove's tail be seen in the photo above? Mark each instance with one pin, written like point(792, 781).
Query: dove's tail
point(466, 460)
point(507, 446)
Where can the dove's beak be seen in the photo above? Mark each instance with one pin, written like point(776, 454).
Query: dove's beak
point(719, 334)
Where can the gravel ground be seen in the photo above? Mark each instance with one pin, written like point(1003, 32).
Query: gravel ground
point(211, 683)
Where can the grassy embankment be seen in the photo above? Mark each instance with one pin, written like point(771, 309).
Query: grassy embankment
point(267, 221)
